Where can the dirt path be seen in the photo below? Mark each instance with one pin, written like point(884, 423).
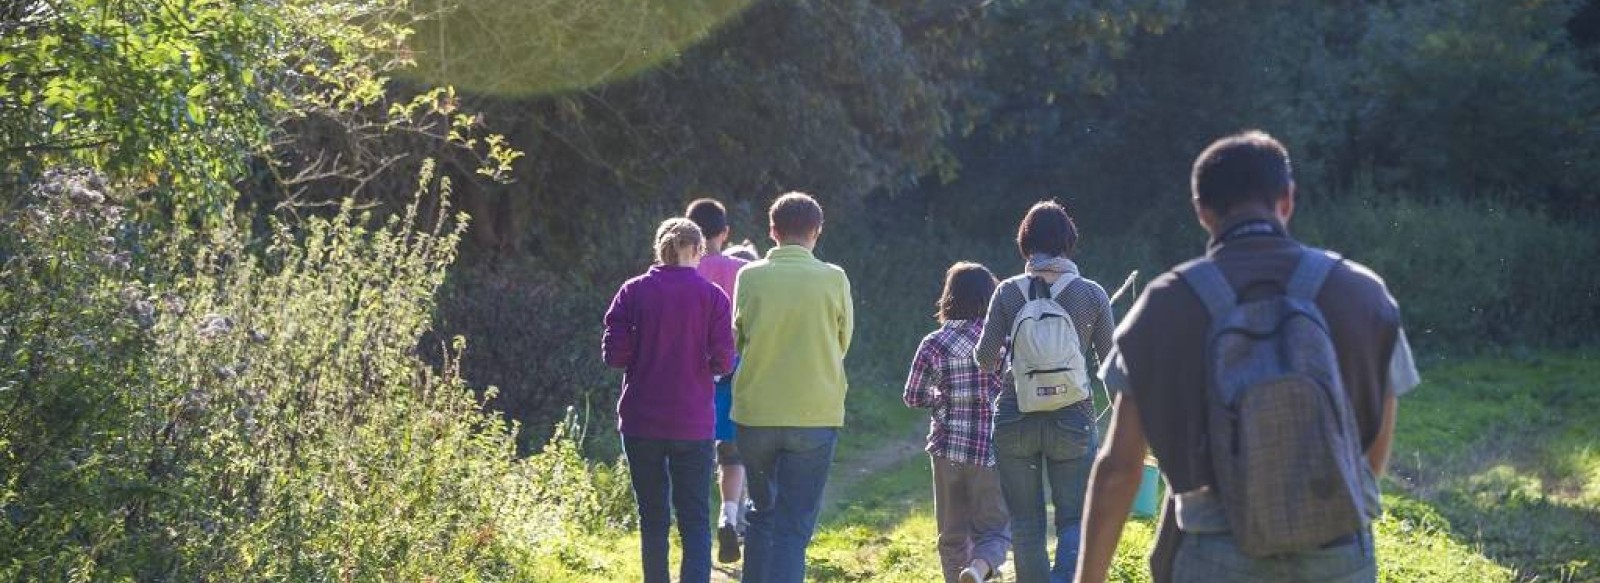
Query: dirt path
point(843, 477)
point(846, 474)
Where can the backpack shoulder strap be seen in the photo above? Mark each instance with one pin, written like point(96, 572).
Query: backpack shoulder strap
point(1213, 289)
point(1309, 275)
point(1029, 286)
point(1060, 286)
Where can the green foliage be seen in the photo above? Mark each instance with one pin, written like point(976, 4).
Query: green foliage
point(194, 395)
point(264, 416)
point(72, 332)
point(1470, 273)
point(1479, 98)
point(169, 92)
point(186, 104)
point(517, 48)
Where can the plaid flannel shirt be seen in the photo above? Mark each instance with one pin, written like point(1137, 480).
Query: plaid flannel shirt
point(946, 379)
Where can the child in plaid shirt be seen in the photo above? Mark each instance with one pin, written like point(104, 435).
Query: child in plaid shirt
point(974, 527)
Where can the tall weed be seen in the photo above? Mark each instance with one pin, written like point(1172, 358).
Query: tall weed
point(260, 411)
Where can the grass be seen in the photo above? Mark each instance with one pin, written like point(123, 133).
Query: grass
point(1496, 478)
point(1505, 451)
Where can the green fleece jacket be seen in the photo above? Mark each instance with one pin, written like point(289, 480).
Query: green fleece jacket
point(792, 320)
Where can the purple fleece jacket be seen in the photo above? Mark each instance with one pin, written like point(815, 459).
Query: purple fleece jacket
point(670, 330)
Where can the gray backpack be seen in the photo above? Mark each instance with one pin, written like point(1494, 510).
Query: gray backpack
point(1047, 363)
point(1285, 452)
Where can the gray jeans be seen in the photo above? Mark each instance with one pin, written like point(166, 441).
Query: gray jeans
point(1215, 557)
point(971, 515)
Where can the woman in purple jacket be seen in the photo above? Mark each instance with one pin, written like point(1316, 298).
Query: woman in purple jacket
point(670, 329)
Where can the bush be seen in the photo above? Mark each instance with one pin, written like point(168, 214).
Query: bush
point(264, 416)
point(1470, 274)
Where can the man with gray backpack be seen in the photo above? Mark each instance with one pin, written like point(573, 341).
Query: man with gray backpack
point(1264, 377)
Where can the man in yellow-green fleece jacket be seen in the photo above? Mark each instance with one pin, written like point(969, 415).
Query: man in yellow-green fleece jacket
point(792, 323)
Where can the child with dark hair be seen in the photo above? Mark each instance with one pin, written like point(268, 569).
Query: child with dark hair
point(670, 329)
point(722, 269)
point(969, 508)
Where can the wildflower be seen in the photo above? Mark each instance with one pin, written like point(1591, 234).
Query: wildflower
point(230, 372)
point(253, 395)
point(84, 342)
point(214, 326)
point(174, 303)
point(122, 261)
point(193, 405)
point(85, 197)
point(144, 313)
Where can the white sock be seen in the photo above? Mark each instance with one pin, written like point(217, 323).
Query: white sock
point(730, 513)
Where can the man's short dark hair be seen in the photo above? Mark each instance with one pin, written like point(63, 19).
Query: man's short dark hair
point(967, 287)
point(795, 215)
point(1047, 229)
point(709, 215)
point(1248, 168)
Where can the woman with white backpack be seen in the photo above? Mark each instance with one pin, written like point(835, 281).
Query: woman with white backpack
point(1042, 329)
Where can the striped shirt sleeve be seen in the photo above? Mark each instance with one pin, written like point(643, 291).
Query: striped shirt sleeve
point(1003, 307)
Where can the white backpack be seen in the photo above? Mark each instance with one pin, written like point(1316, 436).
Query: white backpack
point(1046, 356)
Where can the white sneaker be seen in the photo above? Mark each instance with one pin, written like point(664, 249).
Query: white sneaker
point(977, 572)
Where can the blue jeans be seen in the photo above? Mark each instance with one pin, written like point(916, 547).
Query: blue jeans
point(679, 471)
point(1056, 445)
point(1216, 557)
point(787, 469)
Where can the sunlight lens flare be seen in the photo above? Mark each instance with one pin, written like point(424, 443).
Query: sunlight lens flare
point(517, 48)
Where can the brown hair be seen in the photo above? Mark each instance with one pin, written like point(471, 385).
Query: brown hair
point(795, 214)
point(1047, 229)
point(675, 234)
point(967, 287)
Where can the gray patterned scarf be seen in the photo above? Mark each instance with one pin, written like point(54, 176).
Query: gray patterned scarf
point(1040, 264)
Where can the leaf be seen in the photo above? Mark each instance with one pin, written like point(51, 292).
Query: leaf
point(197, 114)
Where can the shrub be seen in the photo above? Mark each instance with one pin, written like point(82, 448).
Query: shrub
point(1470, 274)
point(263, 416)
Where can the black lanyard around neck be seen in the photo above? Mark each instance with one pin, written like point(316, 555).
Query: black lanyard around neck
point(1250, 229)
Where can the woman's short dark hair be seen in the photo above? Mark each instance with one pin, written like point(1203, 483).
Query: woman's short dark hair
point(1047, 229)
point(967, 287)
point(709, 215)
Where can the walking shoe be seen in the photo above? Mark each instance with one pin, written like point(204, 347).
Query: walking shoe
point(727, 544)
point(977, 572)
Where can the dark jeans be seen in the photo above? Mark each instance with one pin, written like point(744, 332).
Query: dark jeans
point(1057, 445)
point(787, 467)
point(679, 471)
